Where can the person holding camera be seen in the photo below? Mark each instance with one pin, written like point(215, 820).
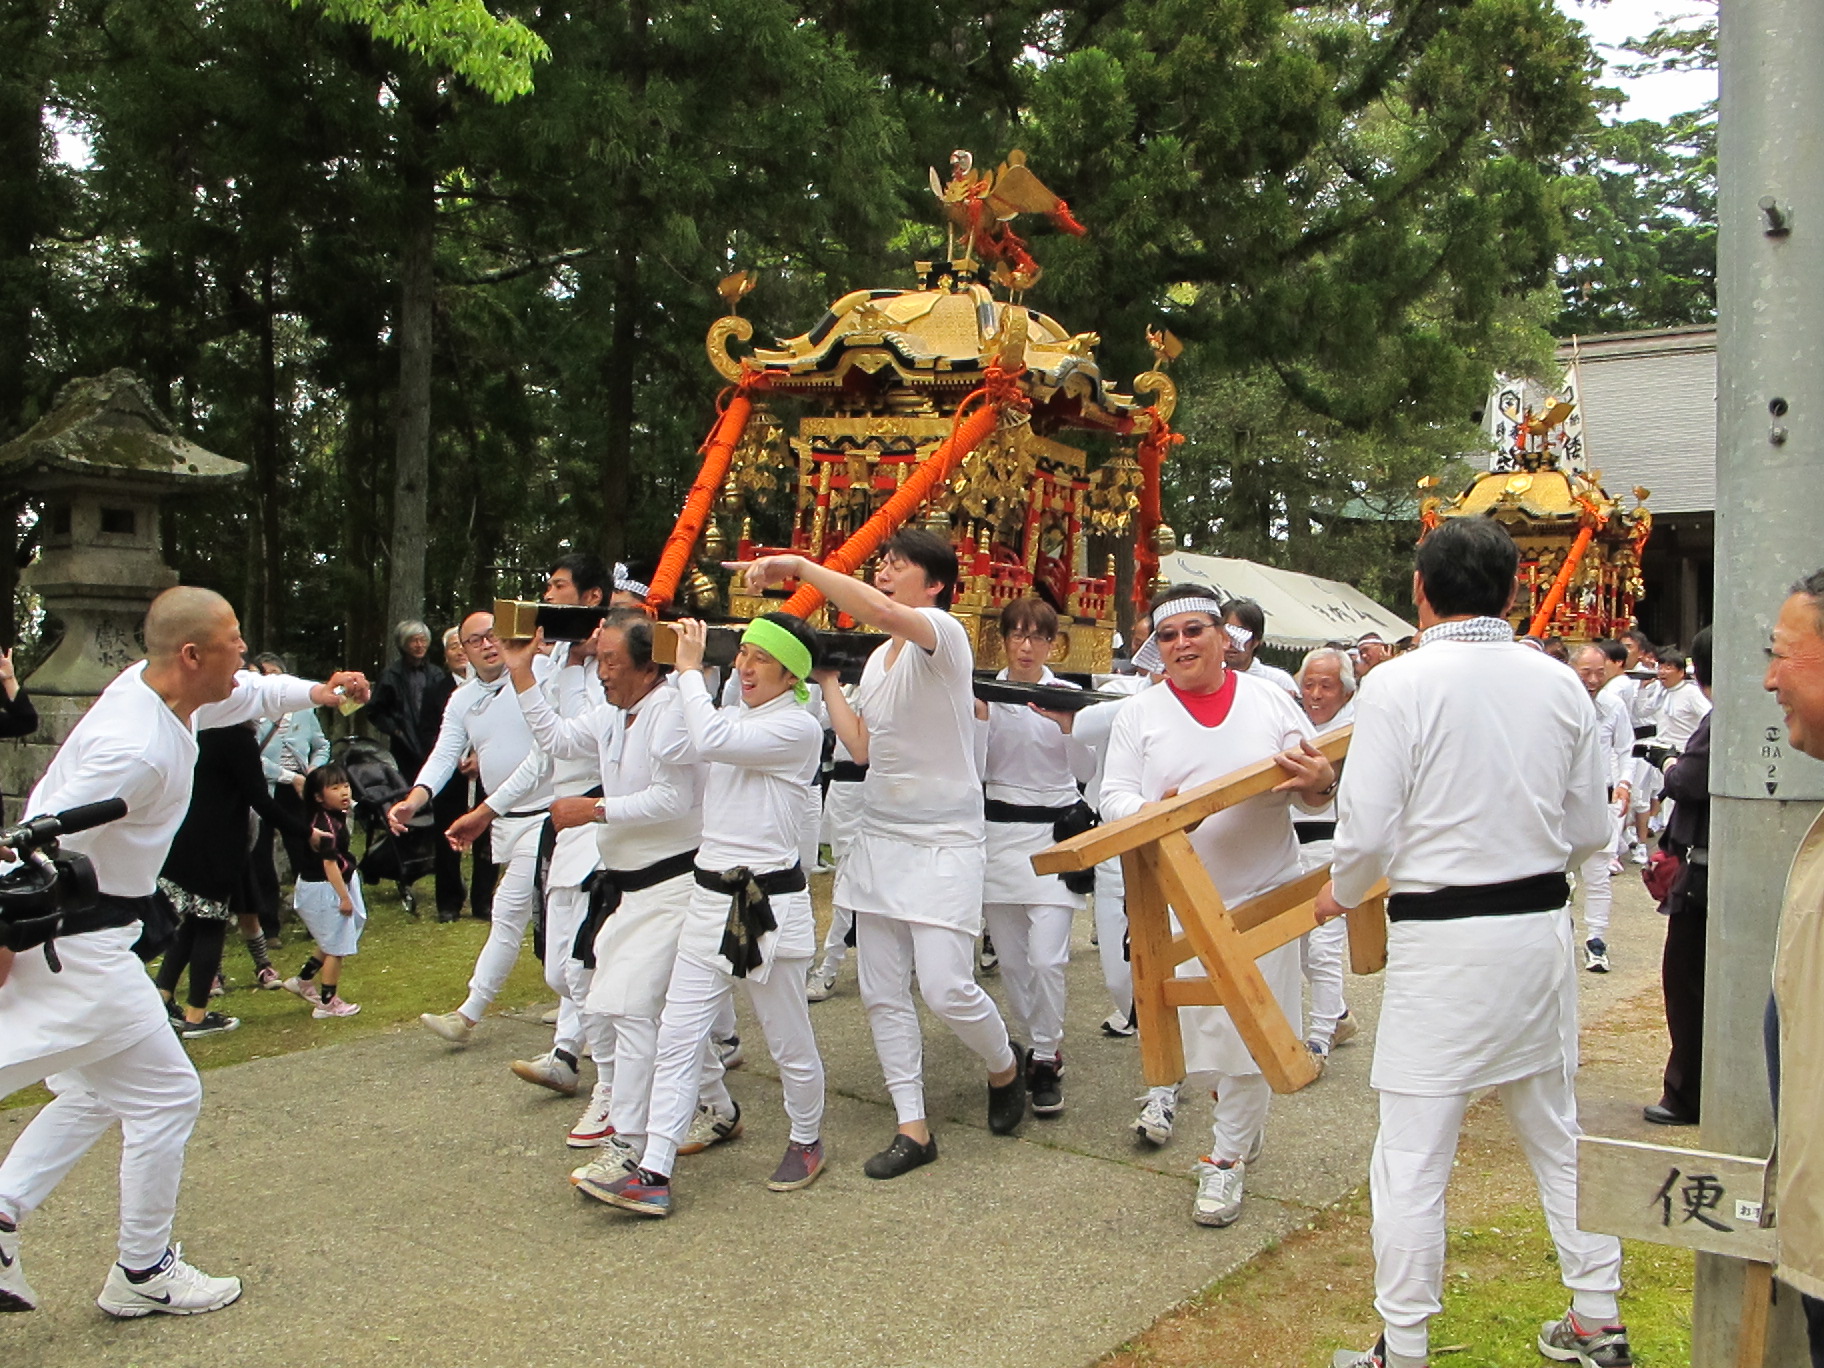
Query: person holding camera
point(82, 1016)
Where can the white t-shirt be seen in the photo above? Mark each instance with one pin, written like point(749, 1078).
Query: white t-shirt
point(1273, 675)
point(923, 784)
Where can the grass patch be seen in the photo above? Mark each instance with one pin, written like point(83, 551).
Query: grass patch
point(407, 965)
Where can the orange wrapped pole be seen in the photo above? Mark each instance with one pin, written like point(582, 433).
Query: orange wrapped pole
point(965, 437)
point(1555, 595)
point(717, 452)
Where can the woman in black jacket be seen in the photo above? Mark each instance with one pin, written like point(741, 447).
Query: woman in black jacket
point(203, 871)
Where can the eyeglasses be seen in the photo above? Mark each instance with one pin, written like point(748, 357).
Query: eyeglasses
point(480, 639)
point(1012, 637)
point(1165, 636)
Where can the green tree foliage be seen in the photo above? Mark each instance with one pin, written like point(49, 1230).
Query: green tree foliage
point(1347, 209)
point(1640, 200)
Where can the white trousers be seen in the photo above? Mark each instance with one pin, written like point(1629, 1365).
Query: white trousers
point(696, 994)
point(1598, 896)
point(1238, 1114)
point(836, 939)
point(151, 1088)
point(565, 911)
point(888, 952)
point(515, 897)
point(1323, 952)
point(1413, 1154)
point(1111, 936)
point(1033, 942)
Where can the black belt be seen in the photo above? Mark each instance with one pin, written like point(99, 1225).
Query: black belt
point(527, 812)
point(847, 772)
point(1314, 831)
point(997, 811)
point(1534, 893)
point(750, 912)
point(605, 887)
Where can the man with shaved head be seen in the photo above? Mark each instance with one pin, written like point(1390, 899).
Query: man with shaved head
point(87, 1021)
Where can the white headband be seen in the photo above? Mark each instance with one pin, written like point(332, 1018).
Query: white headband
point(629, 586)
point(1147, 658)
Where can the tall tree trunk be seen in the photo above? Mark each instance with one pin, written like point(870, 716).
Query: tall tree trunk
point(269, 460)
point(22, 191)
point(617, 394)
point(412, 408)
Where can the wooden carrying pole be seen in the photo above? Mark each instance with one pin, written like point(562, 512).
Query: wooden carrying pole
point(936, 468)
point(1164, 876)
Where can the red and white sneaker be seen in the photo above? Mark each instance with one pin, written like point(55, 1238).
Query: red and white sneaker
point(594, 1126)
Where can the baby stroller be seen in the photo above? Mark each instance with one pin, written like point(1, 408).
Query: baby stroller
point(376, 786)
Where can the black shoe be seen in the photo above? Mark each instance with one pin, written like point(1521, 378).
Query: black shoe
point(483, 914)
point(1661, 1115)
point(901, 1157)
point(1045, 1086)
point(213, 1023)
point(1007, 1103)
point(449, 914)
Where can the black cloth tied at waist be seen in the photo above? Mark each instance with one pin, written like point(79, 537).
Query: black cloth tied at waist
point(1534, 893)
point(847, 772)
point(997, 811)
point(750, 909)
point(1314, 831)
point(605, 887)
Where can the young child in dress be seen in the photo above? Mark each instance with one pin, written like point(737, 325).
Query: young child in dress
point(328, 894)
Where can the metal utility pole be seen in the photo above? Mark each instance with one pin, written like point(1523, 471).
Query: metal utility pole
point(1769, 515)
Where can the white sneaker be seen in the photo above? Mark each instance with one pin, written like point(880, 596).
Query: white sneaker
point(304, 988)
point(710, 1127)
point(1638, 854)
point(1118, 1025)
point(177, 1289)
point(1218, 1200)
point(1154, 1123)
point(548, 1071)
point(821, 986)
point(549, 1015)
point(15, 1292)
point(1319, 1051)
point(1346, 1030)
point(593, 1128)
point(614, 1157)
point(730, 1051)
point(451, 1026)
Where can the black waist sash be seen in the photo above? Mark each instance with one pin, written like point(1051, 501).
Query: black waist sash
point(605, 887)
point(1534, 893)
point(997, 811)
point(750, 912)
point(1314, 831)
point(847, 772)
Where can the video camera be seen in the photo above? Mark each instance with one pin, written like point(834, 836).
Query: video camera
point(52, 892)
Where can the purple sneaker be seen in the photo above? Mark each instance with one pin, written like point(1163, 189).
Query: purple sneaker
point(634, 1190)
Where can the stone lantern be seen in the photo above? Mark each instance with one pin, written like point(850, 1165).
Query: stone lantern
point(101, 460)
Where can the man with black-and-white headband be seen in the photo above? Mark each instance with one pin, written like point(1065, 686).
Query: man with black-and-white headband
point(1481, 979)
point(94, 1030)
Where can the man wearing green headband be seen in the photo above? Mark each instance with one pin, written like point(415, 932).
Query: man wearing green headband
point(750, 919)
point(913, 875)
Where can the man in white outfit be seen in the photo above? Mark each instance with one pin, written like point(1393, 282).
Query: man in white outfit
point(483, 715)
point(1481, 980)
point(94, 1029)
point(1326, 687)
point(1240, 655)
point(1204, 722)
point(1615, 733)
point(914, 874)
